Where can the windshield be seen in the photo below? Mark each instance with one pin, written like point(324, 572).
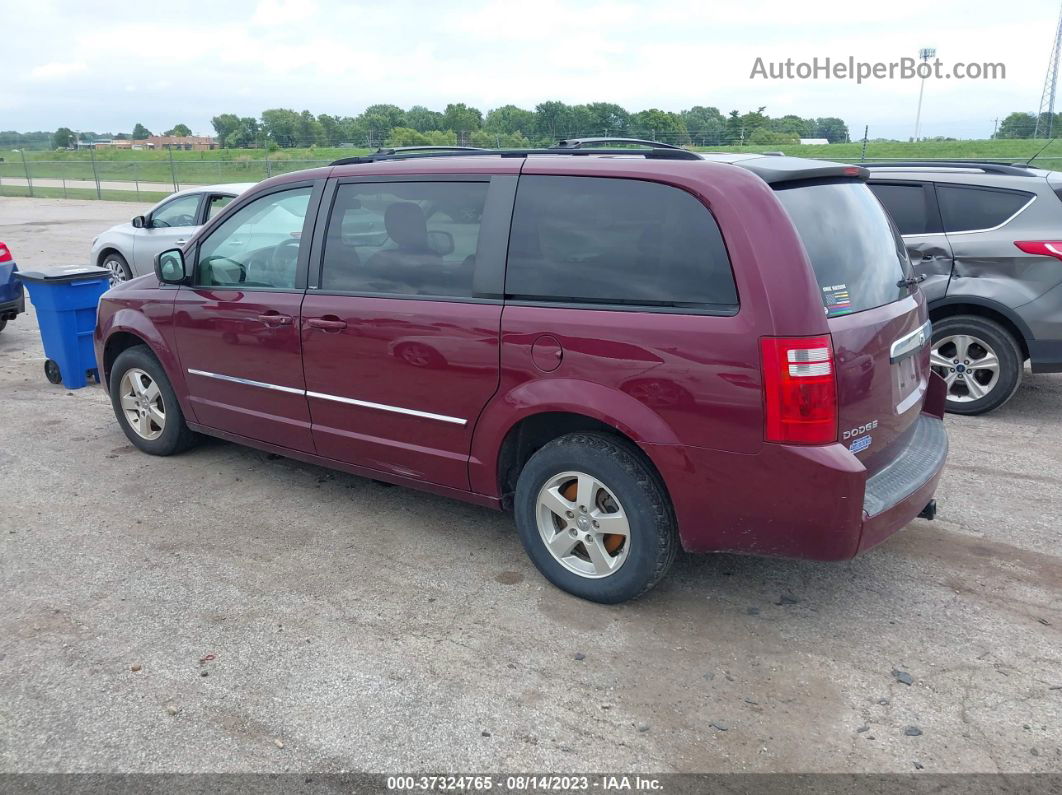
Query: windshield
point(859, 258)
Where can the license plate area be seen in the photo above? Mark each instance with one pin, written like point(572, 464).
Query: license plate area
point(908, 385)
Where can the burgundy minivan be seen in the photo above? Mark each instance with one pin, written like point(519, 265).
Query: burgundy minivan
point(631, 349)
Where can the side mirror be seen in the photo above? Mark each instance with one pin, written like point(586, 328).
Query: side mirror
point(442, 243)
point(169, 267)
point(139, 222)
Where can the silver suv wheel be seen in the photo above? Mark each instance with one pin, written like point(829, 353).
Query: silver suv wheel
point(968, 364)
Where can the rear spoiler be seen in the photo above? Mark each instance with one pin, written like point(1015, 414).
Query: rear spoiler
point(774, 170)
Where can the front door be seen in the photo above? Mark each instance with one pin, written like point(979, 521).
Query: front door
point(169, 225)
point(913, 207)
point(400, 335)
point(237, 327)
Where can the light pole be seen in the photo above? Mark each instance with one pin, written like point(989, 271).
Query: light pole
point(923, 55)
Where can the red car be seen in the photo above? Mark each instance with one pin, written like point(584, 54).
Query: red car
point(630, 349)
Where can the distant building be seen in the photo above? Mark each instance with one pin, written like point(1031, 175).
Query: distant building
point(814, 141)
point(187, 142)
point(190, 142)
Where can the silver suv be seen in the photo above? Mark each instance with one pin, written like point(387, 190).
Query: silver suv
point(986, 238)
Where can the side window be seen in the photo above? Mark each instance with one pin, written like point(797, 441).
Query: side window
point(216, 203)
point(258, 246)
point(969, 209)
point(179, 212)
point(616, 241)
point(404, 238)
point(907, 206)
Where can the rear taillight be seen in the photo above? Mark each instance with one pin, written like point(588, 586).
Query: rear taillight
point(1043, 248)
point(799, 390)
point(5, 253)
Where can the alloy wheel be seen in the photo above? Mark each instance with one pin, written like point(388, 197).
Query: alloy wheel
point(117, 271)
point(583, 525)
point(967, 364)
point(142, 404)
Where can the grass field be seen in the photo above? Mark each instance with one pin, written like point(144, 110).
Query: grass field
point(253, 165)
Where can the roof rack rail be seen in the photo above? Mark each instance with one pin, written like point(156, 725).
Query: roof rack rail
point(391, 150)
point(576, 143)
point(664, 153)
point(388, 151)
point(988, 166)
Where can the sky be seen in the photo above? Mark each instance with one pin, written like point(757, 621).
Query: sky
point(106, 66)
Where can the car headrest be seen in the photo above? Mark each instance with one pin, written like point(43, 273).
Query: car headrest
point(406, 226)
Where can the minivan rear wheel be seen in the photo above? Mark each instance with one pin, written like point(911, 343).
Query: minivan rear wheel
point(979, 360)
point(594, 518)
point(145, 404)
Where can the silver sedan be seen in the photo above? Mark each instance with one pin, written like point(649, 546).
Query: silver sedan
point(128, 250)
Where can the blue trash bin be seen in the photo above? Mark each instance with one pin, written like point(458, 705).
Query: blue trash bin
point(66, 298)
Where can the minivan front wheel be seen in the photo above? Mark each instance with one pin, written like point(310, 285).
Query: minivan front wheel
point(594, 518)
point(145, 404)
point(979, 360)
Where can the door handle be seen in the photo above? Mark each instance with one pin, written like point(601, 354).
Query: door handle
point(273, 319)
point(326, 324)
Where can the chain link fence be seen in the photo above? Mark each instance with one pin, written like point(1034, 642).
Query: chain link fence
point(136, 180)
point(151, 180)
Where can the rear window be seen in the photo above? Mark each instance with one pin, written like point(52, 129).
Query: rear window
point(971, 209)
point(858, 257)
point(907, 205)
point(616, 241)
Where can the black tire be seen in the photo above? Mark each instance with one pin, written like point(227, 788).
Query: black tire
point(117, 265)
point(3, 324)
point(51, 372)
point(176, 435)
point(1006, 348)
point(653, 537)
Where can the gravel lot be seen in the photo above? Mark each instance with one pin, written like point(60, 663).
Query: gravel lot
point(351, 626)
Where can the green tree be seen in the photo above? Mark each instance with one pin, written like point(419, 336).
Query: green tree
point(225, 124)
point(281, 126)
point(705, 125)
point(64, 138)
point(246, 133)
point(659, 125)
point(605, 118)
point(377, 121)
point(462, 119)
point(140, 132)
point(832, 129)
point(509, 119)
point(422, 120)
point(310, 131)
point(1017, 125)
point(550, 119)
point(179, 129)
point(407, 136)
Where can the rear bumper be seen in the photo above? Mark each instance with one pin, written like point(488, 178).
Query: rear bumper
point(800, 502)
point(8, 309)
point(897, 494)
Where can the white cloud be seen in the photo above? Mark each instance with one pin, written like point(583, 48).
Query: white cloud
point(188, 61)
point(283, 12)
point(56, 71)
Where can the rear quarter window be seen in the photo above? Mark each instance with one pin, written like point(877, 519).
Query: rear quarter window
point(968, 209)
point(616, 241)
point(908, 207)
point(857, 255)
